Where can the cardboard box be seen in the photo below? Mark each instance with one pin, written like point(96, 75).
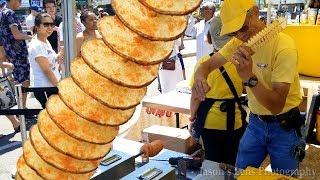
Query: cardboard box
point(174, 139)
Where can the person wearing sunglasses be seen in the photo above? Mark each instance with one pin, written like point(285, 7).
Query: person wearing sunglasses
point(43, 59)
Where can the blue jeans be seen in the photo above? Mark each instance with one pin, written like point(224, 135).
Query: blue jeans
point(260, 139)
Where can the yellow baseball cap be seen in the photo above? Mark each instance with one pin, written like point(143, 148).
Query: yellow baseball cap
point(233, 14)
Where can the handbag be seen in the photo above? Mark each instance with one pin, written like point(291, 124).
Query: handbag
point(7, 96)
point(169, 64)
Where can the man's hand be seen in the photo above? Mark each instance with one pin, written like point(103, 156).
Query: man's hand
point(200, 86)
point(56, 28)
point(243, 56)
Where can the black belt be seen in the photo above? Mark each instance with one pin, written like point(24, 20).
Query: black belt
point(276, 118)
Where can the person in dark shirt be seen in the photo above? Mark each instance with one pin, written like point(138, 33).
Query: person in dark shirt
point(14, 44)
point(50, 6)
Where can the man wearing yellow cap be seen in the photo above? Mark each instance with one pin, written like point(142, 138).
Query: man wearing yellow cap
point(272, 83)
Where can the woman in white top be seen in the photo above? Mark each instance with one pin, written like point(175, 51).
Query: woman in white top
point(43, 59)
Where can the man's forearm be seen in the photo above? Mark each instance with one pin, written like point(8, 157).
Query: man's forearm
point(22, 36)
point(270, 99)
point(215, 61)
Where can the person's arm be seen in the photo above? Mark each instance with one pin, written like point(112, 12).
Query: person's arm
point(6, 65)
point(2, 54)
point(79, 42)
point(60, 56)
point(19, 35)
point(46, 68)
point(191, 30)
point(283, 74)
point(13, 24)
point(194, 105)
point(60, 34)
point(200, 86)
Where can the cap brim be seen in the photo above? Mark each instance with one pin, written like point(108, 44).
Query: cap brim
point(233, 25)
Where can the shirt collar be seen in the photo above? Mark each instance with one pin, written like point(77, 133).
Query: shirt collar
point(209, 21)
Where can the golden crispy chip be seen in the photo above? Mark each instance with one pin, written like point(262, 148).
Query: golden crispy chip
point(57, 159)
point(66, 144)
point(148, 23)
point(18, 177)
point(25, 172)
point(130, 45)
point(175, 7)
point(46, 170)
point(77, 127)
point(119, 70)
point(89, 108)
point(104, 90)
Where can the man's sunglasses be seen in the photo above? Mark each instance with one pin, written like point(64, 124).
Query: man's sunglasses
point(48, 24)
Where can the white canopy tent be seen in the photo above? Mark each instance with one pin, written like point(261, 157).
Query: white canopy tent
point(288, 1)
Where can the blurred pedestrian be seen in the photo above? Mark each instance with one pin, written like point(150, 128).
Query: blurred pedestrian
point(102, 13)
point(89, 20)
point(201, 29)
point(50, 6)
point(34, 10)
point(14, 44)
point(171, 70)
point(3, 64)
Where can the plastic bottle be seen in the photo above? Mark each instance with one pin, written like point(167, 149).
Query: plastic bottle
point(303, 18)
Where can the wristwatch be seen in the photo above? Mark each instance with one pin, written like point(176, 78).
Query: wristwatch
point(252, 82)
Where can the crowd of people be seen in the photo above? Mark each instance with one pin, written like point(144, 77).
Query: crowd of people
point(35, 56)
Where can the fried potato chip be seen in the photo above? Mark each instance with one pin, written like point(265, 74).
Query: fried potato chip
point(66, 144)
point(76, 126)
point(130, 45)
point(112, 66)
point(175, 7)
point(57, 159)
point(44, 169)
point(148, 23)
point(18, 177)
point(89, 108)
point(104, 90)
point(25, 172)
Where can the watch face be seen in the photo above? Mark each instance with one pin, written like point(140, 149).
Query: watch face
point(253, 81)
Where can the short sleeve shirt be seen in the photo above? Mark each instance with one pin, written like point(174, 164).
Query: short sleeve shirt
point(277, 62)
point(40, 49)
point(30, 21)
point(215, 28)
point(16, 50)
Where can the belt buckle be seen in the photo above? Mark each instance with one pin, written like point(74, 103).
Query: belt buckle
point(270, 119)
